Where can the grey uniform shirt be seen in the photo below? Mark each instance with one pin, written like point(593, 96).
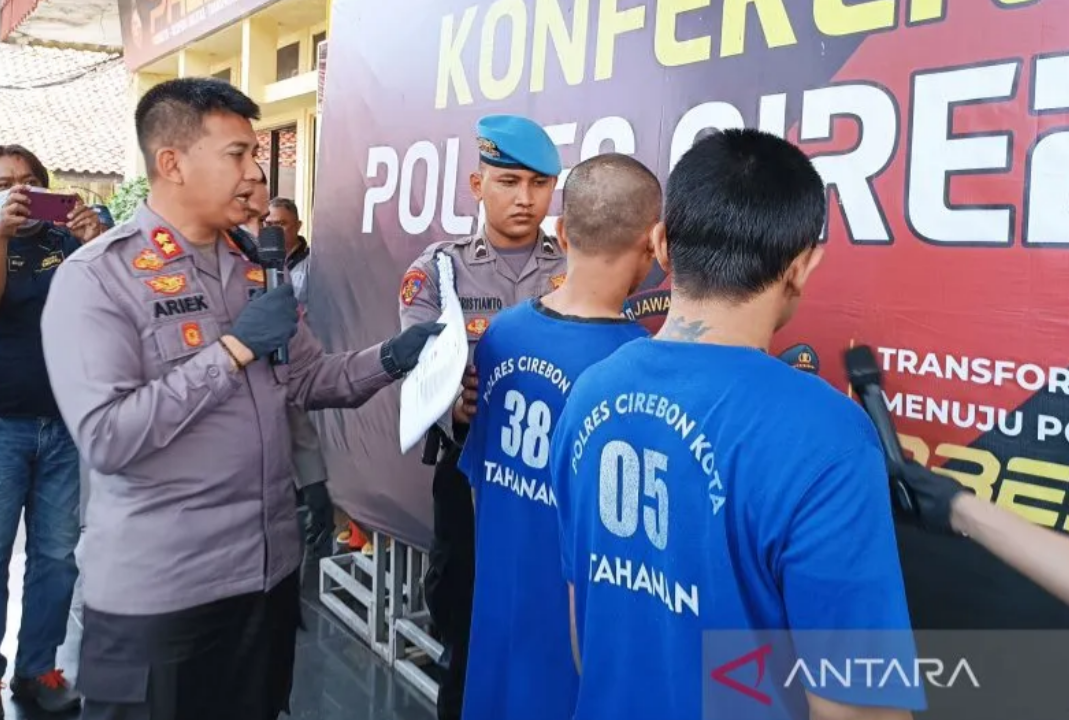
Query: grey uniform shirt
point(485, 283)
point(192, 496)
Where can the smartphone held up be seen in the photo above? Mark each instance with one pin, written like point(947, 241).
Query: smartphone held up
point(44, 204)
point(51, 206)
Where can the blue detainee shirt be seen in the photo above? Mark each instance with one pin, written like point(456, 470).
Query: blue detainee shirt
point(32, 260)
point(707, 493)
point(520, 663)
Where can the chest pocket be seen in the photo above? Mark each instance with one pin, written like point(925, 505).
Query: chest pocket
point(177, 340)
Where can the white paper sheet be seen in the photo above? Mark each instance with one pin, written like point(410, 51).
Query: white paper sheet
point(429, 391)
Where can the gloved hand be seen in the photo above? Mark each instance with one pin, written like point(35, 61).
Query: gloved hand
point(934, 495)
point(268, 322)
point(400, 353)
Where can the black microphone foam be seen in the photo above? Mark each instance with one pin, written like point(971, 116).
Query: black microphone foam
point(272, 254)
point(272, 249)
point(867, 381)
point(862, 368)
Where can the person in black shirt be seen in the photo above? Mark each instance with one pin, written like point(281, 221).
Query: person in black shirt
point(38, 459)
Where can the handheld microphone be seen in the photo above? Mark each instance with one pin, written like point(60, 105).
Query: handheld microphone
point(272, 256)
point(866, 379)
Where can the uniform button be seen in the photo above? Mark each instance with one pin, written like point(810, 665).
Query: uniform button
point(213, 372)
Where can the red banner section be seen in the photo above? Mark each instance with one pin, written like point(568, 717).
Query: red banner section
point(941, 129)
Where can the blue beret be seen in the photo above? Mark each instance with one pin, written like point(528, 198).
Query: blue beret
point(511, 141)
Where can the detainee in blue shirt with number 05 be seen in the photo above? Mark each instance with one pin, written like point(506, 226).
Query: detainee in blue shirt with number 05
point(724, 516)
point(520, 663)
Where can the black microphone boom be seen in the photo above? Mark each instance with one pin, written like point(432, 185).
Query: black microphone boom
point(272, 254)
point(866, 379)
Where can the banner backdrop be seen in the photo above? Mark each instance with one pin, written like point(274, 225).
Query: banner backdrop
point(941, 128)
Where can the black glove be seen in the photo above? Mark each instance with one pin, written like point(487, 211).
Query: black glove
point(268, 322)
point(933, 494)
point(400, 353)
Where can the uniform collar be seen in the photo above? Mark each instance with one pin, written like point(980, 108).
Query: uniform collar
point(479, 250)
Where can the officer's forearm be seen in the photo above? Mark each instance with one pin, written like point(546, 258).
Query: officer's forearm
point(339, 380)
point(1038, 553)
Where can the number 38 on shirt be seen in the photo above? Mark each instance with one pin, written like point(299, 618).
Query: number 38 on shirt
point(528, 431)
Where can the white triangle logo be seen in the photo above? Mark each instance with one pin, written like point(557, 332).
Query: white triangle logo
point(718, 502)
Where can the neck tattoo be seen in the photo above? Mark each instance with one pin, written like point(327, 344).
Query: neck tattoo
point(678, 328)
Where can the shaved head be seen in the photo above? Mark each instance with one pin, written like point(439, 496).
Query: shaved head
point(610, 202)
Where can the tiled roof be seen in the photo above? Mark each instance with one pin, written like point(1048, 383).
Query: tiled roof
point(69, 107)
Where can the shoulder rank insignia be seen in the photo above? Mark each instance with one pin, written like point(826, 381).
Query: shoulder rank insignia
point(255, 274)
point(477, 326)
point(557, 280)
point(191, 334)
point(165, 243)
point(148, 260)
point(167, 284)
point(411, 285)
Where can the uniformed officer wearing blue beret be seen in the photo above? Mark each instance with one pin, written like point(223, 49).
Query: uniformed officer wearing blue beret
point(506, 262)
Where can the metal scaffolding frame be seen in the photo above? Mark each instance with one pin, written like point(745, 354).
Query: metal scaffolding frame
point(380, 598)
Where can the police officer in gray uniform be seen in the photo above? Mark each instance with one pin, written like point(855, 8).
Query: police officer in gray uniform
point(508, 261)
point(158, 340)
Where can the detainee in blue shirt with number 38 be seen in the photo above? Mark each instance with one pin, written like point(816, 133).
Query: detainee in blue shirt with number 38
point(712, 496)
point(520, 663)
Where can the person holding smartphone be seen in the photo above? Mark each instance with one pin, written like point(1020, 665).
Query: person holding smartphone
point(38, 459)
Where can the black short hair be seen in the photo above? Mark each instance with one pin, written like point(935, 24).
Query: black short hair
point(609, 200)
point(36, 166)
point(172, 113)
point(285, 204)
point(741, 206)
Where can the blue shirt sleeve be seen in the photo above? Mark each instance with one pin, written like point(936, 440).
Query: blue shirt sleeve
point(560, 474)
point(841, 577)
point(471, 457)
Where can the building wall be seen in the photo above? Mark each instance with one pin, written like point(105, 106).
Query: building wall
point(92, 188)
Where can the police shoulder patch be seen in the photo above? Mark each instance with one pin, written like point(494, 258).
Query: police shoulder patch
point(412, 284)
